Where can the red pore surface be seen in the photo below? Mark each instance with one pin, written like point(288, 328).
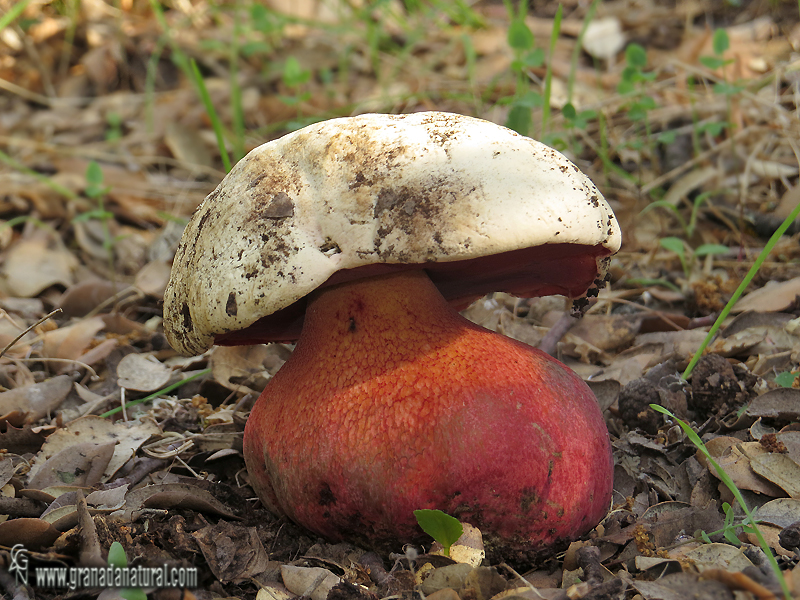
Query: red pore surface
point(393, 402)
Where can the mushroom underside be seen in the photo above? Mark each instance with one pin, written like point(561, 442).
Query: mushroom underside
point(566, 269)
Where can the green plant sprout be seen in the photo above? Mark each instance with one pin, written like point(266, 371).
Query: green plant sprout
point(688, 228)
point(15, 11)
point(719, 44)
point(687, 255)
point(728, 529)
point(521, 41)
point(786, 379)
point(96, 190)
point(440, 526)
point(548, 76)
point(118, 560)
point(768, 247)
point(53, 185)
point(294, 77)
point(632, 84)
point(216, 123)
point(576, 50)
point(647, 282)
point(156, 394)
point(726, 479)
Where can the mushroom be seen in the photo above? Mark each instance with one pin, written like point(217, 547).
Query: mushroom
point(359, 238)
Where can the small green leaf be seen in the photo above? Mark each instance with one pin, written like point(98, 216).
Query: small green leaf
point(673, 244)
point(786, 379)
point(440, 526)
point(534, 58)
point(519, 35)
point(94, 181)
point(531, 99)
point(713, 128)
point(636, 56)
point(569, 111)
point(712, 62)
point(293, 74)
point(726, 508)
point(706, 249)
point(132, 594)
point(723, 88)
point(731, 537)
point(720, 42)
point(705, 537)
point(116, 556)
point(519, 119)
point(667, 137)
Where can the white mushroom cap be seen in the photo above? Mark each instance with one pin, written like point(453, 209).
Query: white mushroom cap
point(353, 197)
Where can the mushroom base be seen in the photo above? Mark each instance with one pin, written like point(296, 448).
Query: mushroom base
point(392, 402)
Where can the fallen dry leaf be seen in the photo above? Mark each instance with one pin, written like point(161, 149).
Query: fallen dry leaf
point(142, 373)
point(233, 552)
point(72, 341)
point(36, 400)
point(33, 265)
point(81, 464)
point(780, 469)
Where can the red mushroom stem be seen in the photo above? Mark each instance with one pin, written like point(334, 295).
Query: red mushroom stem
point(392, 402)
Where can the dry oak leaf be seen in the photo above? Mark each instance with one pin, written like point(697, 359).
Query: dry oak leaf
point(125, 438)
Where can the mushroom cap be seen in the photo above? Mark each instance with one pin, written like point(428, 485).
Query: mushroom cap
point(478, 206)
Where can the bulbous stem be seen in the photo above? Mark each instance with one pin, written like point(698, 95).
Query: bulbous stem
point(392, 401)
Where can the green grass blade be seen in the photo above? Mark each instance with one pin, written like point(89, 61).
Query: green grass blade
point(56, 187)
point(11, 15)
point(548, 78)
point(726, 479)
point(212, 114)
point(156, 394)
point(576, 50)
point(742, 287)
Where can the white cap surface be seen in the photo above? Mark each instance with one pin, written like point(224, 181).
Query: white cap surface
point(421, 189)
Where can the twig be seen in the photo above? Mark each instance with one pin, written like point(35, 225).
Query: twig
point(44, 359)
point(19, 337)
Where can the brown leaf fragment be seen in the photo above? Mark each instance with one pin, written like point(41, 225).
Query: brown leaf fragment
point(73, 340)
point(482, 583)
point(790, 536)
point(34, 534)
point(187, 145)
point(669, 520)
point(739, 582)
point(33, 265)
point(20, 507)
point(124, 437)
point(715, 556)
point(81, 464)
point(83, 297)
point(233, 552)
point(313, 582)
point(171, 495)
point(38, 399)
point(780, 469)
point(680, 586)
point(781, 512)
point(142, 373)
point(90, 554)
point(737, 462)
point(153, 277)
point(449, 576)
point(773, 297)
point(349, 591)
point(781, 403)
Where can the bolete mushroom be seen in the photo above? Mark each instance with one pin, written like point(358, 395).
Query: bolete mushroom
point(359, 237)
